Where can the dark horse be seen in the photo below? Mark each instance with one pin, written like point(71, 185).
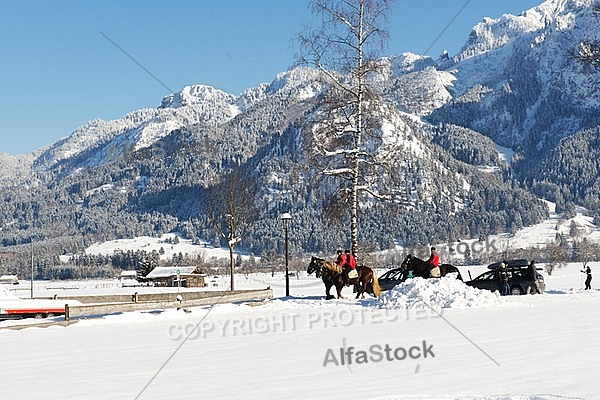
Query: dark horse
point(332, 276)
point(421, 267)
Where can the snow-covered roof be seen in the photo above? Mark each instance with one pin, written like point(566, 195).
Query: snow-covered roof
point(165, 272)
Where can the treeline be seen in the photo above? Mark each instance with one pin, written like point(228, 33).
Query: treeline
point(571, 173)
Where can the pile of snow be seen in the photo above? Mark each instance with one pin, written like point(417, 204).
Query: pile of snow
point(445, 292)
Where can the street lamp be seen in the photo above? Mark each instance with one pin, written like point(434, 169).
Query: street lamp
point(31, 267)
point(286, 218)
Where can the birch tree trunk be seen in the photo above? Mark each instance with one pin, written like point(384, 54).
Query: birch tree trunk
point(345, 50)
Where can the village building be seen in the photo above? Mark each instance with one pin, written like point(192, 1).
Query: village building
point(184, 276)
point(9, 279)
point(129, 278)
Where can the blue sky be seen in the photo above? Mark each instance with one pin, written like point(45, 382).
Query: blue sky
point(58, 71)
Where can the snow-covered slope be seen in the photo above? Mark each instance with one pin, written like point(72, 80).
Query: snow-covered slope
point(15, 170)
point(533, 91)
point(197, 104)
point(163, 245)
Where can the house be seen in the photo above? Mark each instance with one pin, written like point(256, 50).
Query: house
point(184, 276)
point(129, 278)
point(9, 279)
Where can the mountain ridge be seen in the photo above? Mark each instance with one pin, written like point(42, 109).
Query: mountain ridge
point(437, 133)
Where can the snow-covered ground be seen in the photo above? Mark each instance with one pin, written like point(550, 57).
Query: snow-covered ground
point(434, 339)
point(478, 346)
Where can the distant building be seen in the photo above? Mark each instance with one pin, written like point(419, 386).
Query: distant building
point(129, 278)
point(174, 276)
point(9, 279)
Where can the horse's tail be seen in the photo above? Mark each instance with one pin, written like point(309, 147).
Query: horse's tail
point(376, 287)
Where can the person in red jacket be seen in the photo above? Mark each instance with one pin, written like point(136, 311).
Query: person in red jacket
point(341, 258)
point(349, 266)
point(434, 262)
point(350, 260)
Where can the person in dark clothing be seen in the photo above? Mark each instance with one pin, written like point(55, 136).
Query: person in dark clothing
point(533, 277)
point(588, 279)
point(503, 276)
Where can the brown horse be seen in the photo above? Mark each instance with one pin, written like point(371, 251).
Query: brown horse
point(421, 267)
point(332, 276)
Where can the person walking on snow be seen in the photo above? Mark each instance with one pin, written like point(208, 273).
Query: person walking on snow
point(588, 279)
point(434, 263)
point(533, 277)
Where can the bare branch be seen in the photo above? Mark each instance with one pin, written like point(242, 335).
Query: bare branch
point(344, 50)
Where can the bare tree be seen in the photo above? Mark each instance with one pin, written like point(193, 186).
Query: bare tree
point(556, 256)
point(231, 210)
point(345, 48)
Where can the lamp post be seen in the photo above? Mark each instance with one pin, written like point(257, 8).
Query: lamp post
point(286, 218)
point(31, 268)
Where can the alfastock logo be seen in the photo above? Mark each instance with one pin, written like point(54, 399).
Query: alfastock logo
point(377, 353)
point(452, 249)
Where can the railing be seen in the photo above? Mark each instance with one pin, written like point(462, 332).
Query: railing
point(93, 305)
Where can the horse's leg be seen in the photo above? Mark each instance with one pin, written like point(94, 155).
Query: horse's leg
point(357, 289)
point(362, 288)
point(360, 285)
point(339, 291)
point(339, 285)
point(327, 289)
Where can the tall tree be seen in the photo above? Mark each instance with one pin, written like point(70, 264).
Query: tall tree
point(346, 48)
point(230, 207)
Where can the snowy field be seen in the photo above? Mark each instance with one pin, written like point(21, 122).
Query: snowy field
point(436, 339)
point(158, 244)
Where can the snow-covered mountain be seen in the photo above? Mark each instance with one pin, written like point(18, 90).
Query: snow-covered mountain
point(510, 76)
point(517, 81)
point(537, 89)
point(196, 104)
point(514, 83)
